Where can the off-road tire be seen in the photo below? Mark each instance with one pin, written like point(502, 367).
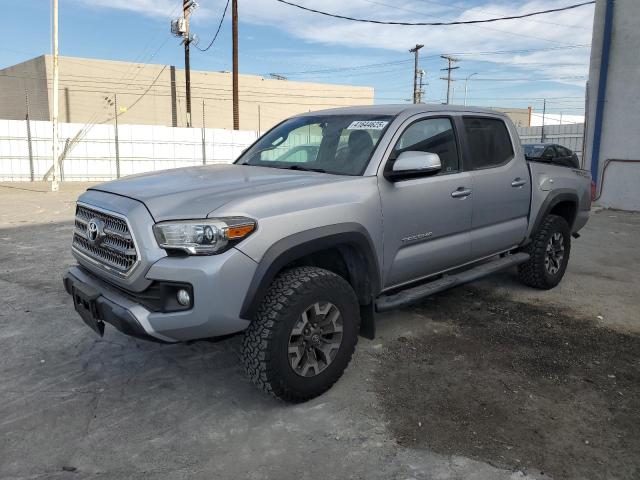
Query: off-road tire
point(533, 272)
point(265, 345)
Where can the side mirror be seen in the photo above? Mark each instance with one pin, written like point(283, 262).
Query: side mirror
point(413, 164)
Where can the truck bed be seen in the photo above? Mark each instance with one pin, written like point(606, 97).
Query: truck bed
point(547, 178)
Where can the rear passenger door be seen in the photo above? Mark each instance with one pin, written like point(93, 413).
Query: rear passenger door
point(501, 185)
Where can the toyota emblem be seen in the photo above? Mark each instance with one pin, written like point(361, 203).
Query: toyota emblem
point(95, 231)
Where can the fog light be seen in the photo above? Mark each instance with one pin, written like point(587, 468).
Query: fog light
point(183, 297)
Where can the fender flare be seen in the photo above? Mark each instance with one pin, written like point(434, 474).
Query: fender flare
point(298, 245)
point(553, 199)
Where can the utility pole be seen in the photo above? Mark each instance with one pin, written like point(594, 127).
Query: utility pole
point(29, 145)
point(421, 85)
point(466, 81)
point(259, 128)
point(451, 60)
point(234, 22)
point(415, 50)
point(544, 112)
point(55, 180)
point(186, 12)
point(115, 117)
point(180, 28)
point(204, 137)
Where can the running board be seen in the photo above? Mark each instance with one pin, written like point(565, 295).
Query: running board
point(412, 295)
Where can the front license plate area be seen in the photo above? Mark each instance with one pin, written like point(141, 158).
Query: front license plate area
point(84, 301)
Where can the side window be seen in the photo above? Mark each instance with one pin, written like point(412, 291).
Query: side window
point(549, 153)
point(300, 154)
point(433, 135)
point(295, 148)
point(489, 142)
point(563, 152)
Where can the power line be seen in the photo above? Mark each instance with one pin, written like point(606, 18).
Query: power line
point(507, 32)
point(524, 50)
point(457, 22)
point(401, 62)
point(342, 69)
point(224, 13)
point(529, 79)
point(545, 22)
point(146, 91)
point(127, 88)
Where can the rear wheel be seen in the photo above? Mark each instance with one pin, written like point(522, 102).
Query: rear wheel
point(549, 250)
point(304, 334)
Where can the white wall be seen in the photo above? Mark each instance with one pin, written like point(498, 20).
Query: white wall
point(554, 119)
point(142, 148)
point(619, 187)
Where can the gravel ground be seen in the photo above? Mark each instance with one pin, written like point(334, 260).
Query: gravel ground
point(516, 385)
point(536, 375)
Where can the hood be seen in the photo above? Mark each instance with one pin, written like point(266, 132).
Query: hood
point(194, 192)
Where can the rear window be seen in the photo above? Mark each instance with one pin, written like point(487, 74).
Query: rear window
point(489, 142)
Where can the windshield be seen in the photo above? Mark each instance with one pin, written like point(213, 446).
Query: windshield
point(338, 144)
point(533, 151)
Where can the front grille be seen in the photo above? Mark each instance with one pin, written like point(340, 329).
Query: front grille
point(115, 250)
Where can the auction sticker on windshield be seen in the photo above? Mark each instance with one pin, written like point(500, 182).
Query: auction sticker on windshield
point(367, 125)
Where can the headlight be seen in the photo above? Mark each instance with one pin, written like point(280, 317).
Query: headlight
point(202, 237)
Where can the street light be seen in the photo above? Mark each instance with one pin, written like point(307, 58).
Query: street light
point(466, 80)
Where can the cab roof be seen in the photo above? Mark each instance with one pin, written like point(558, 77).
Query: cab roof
point(397, 109)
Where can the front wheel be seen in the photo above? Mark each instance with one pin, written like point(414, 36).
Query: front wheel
point(304, 334)
point(549, 250)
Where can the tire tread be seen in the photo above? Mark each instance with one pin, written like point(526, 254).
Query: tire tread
point(258, 353)
point(532, 272)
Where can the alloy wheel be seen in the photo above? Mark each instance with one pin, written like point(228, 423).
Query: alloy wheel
point(315, 339)
point(554, 253)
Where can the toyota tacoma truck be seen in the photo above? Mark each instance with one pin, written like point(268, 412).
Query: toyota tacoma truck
point(327, 219)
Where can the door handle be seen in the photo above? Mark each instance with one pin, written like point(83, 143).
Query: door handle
point(518, 182)
point(461, 192)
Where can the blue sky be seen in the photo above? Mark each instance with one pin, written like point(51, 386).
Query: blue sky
point(517, 62)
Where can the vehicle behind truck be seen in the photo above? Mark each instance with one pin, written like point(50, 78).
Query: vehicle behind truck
point(326, 220)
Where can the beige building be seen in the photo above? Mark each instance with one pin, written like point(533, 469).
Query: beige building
point(520, 116)
point(155, 94)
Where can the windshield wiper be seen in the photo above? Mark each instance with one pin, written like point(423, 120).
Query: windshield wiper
point(306, 169)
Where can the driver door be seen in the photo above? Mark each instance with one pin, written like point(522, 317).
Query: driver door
point(426, 220)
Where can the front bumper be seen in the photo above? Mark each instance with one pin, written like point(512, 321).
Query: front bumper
point(219, 282)
point(105, 308)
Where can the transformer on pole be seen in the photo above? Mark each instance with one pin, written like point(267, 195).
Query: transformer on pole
point(180, 28)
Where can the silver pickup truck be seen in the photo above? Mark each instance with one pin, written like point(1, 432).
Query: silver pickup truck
point(325, 220)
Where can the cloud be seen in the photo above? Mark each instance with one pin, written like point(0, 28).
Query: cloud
point(160, 9)
point(571, 27)
point(150, 8)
